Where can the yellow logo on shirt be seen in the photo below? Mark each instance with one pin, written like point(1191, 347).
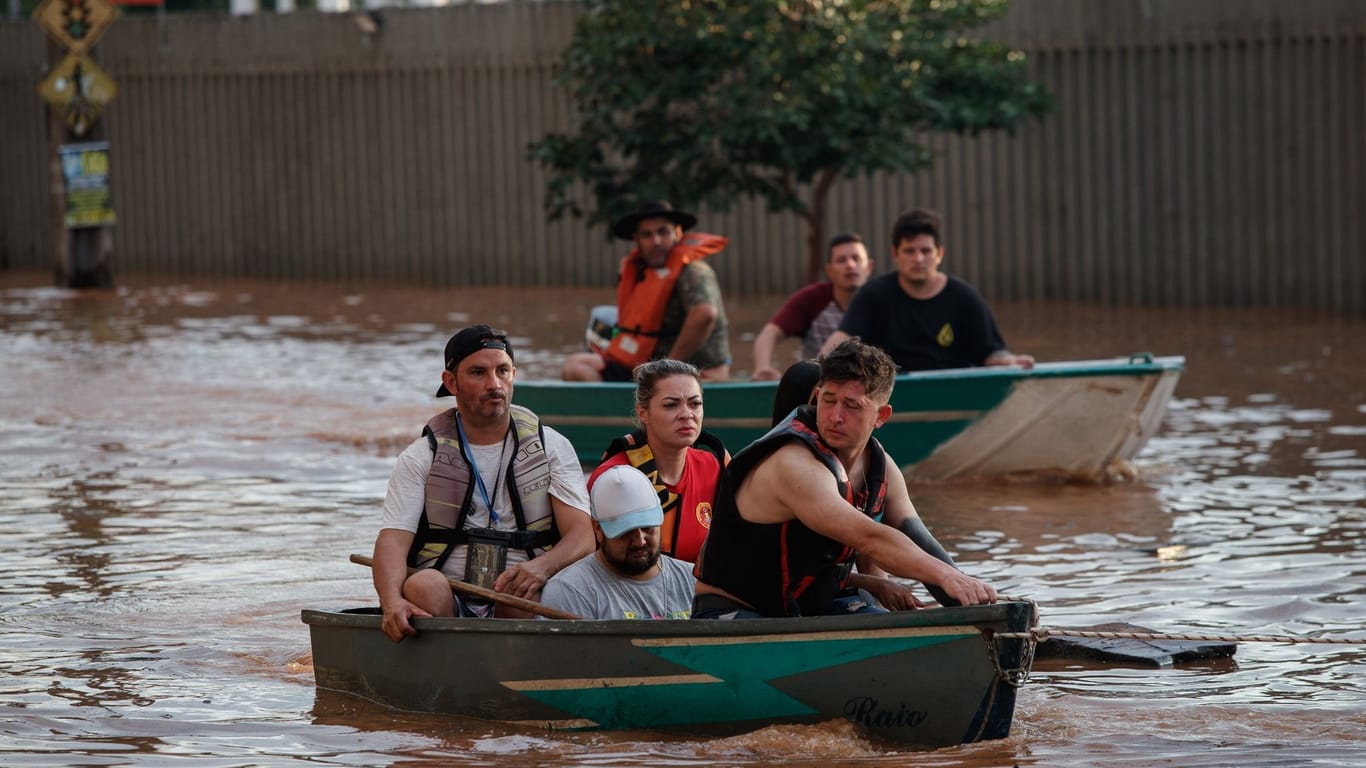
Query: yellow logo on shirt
point(945, 337)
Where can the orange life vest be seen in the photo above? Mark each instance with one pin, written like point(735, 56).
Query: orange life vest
point(686, 505)
point(643, 293)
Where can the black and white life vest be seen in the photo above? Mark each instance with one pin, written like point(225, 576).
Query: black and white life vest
point(450, 491)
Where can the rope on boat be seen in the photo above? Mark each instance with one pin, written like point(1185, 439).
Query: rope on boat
point(1043, 633)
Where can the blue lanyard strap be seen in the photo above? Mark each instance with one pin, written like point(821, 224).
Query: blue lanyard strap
point(478, 478)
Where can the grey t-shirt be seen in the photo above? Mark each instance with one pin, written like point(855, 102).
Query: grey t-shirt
point(590, 589)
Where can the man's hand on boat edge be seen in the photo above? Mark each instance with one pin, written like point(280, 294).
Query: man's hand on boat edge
point(396, 619)
point(966, 589)
point(893, 595)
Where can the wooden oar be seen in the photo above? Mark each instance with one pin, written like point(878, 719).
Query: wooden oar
point(464, 587)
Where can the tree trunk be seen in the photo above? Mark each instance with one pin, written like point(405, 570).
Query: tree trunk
point(815, 224)
point(815, 233)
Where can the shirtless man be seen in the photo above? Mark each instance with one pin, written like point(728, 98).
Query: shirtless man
point(796, 507)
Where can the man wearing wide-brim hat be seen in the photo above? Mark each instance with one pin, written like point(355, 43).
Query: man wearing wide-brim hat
point(668, 300)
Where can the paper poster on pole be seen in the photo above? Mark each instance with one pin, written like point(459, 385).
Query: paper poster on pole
point(85, 168)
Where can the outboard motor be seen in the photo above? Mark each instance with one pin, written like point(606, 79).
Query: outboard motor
point(602, 326)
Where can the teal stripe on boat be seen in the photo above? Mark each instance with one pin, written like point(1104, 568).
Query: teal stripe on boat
point(741, 692)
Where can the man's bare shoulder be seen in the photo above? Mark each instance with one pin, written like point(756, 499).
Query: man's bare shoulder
point(791, 457)
point(782, 482)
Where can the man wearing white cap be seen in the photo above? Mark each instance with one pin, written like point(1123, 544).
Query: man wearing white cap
point(627, 578)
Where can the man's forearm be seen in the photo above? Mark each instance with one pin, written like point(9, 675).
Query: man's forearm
point(697, 326)
point(1006, 357)
point(571, 548)
point(764, 345)
point(889, 551)
point(390, 567)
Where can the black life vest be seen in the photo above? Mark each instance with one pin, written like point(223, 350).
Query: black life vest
point(786, 569)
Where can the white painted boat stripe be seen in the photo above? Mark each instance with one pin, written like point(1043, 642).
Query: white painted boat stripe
point(571, 684)
point(806, 637)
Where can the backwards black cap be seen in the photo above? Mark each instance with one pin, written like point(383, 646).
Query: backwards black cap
point(467, 342)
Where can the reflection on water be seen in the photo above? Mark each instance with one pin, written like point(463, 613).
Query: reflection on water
point(185, 466)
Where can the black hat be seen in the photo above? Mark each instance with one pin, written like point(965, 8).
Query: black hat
point(625, 227)
point(469, 341)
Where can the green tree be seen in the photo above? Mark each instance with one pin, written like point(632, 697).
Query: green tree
point(705, 101)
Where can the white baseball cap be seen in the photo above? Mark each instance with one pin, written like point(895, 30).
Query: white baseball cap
point(623, 500)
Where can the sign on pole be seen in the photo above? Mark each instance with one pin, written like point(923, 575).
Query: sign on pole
point(85, 168)
point(77, 78)
point(76, 24)
point(81, 89)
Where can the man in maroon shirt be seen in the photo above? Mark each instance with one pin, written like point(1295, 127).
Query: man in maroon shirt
point(814, 312)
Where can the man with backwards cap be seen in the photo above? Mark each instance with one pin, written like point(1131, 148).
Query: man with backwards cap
point(627, 578)
point(668, 300)
point(485, 477)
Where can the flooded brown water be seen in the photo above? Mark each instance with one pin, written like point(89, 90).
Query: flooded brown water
point(186, 465)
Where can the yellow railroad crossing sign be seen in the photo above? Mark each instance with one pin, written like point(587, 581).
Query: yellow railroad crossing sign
point(77, 79)
point(80, 89)
point(76, 24)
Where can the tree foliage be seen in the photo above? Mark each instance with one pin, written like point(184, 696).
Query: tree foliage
point(703, 102)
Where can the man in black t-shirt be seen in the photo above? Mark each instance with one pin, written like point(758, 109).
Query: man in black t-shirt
point(923, 318)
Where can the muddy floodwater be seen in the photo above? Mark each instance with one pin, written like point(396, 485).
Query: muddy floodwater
point(184, 465)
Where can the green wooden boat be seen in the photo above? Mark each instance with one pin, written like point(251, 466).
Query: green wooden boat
point(928, 678)
point(1079, 419)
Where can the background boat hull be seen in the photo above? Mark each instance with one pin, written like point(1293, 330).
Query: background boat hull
point(1077, 419)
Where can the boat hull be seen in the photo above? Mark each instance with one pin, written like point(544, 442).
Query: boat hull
point(927, 678)
point(1077, 419)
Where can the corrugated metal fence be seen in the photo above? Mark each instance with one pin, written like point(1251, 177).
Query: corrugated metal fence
point(1209, 152)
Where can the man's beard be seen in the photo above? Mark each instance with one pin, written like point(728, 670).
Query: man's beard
point(656, 259)
point(633, 567)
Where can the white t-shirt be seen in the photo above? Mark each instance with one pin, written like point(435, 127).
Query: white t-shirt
point(406, 496)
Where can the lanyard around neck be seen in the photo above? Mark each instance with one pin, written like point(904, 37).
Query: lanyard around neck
point(478, 478)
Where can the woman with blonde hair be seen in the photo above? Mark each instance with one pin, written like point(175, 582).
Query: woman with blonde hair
point(670, 447)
